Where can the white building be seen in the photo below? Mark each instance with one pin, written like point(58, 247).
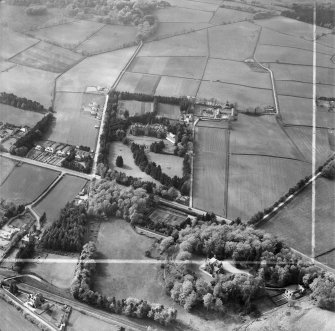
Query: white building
point(171, 137)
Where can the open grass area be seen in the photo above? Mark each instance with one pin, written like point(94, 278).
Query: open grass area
point(209, 174)
point(65, 191)
point(234, 41)
point(294, 222)
point(169, 111)
point(245, 97)
point(261, 135)
point(47, 57)
point(18, 116)
point(26, 183)
point(59, 274)
point(225, 15)
point(200, 5)
point(31, 83)
point(175, 14)
point(4, 65)
point(110, 37)
point(190, 44)
point(187, 67)
point(256, 182)
point(135, 107)
point(68, 35)
point(236, 73)
point(172, 165)
point(138, 83)
point(73, 126)
point(328, 259)
point(177, 87)
point(6, 166)
point(100, 70)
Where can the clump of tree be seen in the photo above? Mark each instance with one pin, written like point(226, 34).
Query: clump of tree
point(26, 251)
point(22, 103)
point(70, 162)
point(329, 170)
point(36, 10)
point(157, 147)
point(323, 291)
point(119, 161)
point(67, 233)
point(184, 138)
point(11, 209)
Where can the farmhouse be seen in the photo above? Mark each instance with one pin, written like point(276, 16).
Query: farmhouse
point(171, 138)
point(294, 291)
point(50, 150)
point(8, 234)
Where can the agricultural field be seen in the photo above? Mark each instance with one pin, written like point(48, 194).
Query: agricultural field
point(99, 70)
point(34, 84)
point(236, 73)
point(73, 126)
point(6, 166)
point(26, 183)
point(47, 57)
point(109, 38)
point(209, 174)
point(135, 107)
point(4, 66)
point(190, 44)
point(328, 259)
point(234, 41)
point(226, 16)
point(58, 273)
point(65, 190)
point(261, 135)
point(129, 166)
point(327, 40)
point(167, 216)
point(172, 165)
point(187, 67)
point(246, 97)
point(169, 111)
point(256, 182)
point(181, 15)
point(18, 116)
point(138, 83)
point(203, 6)
point(302, 138)
point(68, 35)
point(177, 87)
point(295, 220)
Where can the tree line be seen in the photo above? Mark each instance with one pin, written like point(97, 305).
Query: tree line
point(22, 103)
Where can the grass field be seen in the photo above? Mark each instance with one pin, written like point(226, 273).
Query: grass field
point(6, 166)
point(204, 6)
point(327, 40)
point(73, 126)
point(65, 191)
point(14, 320)
point(187, 67)
point(256, 182)
point(135, 107)
point(100, 70)
point(47, 57)
point(209, 174)
point(244, 96)
point(172, 165)
point(235, 73)
point(59, 274)
point(233, 42)
point(110, 37)
point(261, 135)
point(68, 35)
point(18, 116)
point(328, 259)
point(34, 84)
point(294, 222)
point(177, 87)
point(13, 43)
point(26, 183)
point(302, 137)
point(169, 111)
point(225, 15)
point(191, 44)
point(138, 83)
point(175, 14)
point(4, 65)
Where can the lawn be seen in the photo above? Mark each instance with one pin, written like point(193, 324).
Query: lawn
point(236, 73)
point(47, 57)
point(169, 111)
point(256, 182)
point(26, 183)
point(187, 67)
point(109, 38)
point(68, 35)
point(226, 16)
point(261, 135)
point(100, 70)
point(209, 174)
point(302, 138)
point(135, 107)
point(138, 83)
point(65, 191)
point(245, 97)
point(172, 165)
point(18, 116)
point(6, 166)
point(177, 87)
point(31, 83)
point(73, 126)
point(190, 44)
point(234, 41)
point(294, 222)
point(57, 271)
point(175, 14)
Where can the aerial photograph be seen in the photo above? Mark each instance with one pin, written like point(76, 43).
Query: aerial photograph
point(167, 165)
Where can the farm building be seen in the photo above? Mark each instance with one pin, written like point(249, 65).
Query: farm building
point(171, 138)
point(294, 291)
point(8, 234)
